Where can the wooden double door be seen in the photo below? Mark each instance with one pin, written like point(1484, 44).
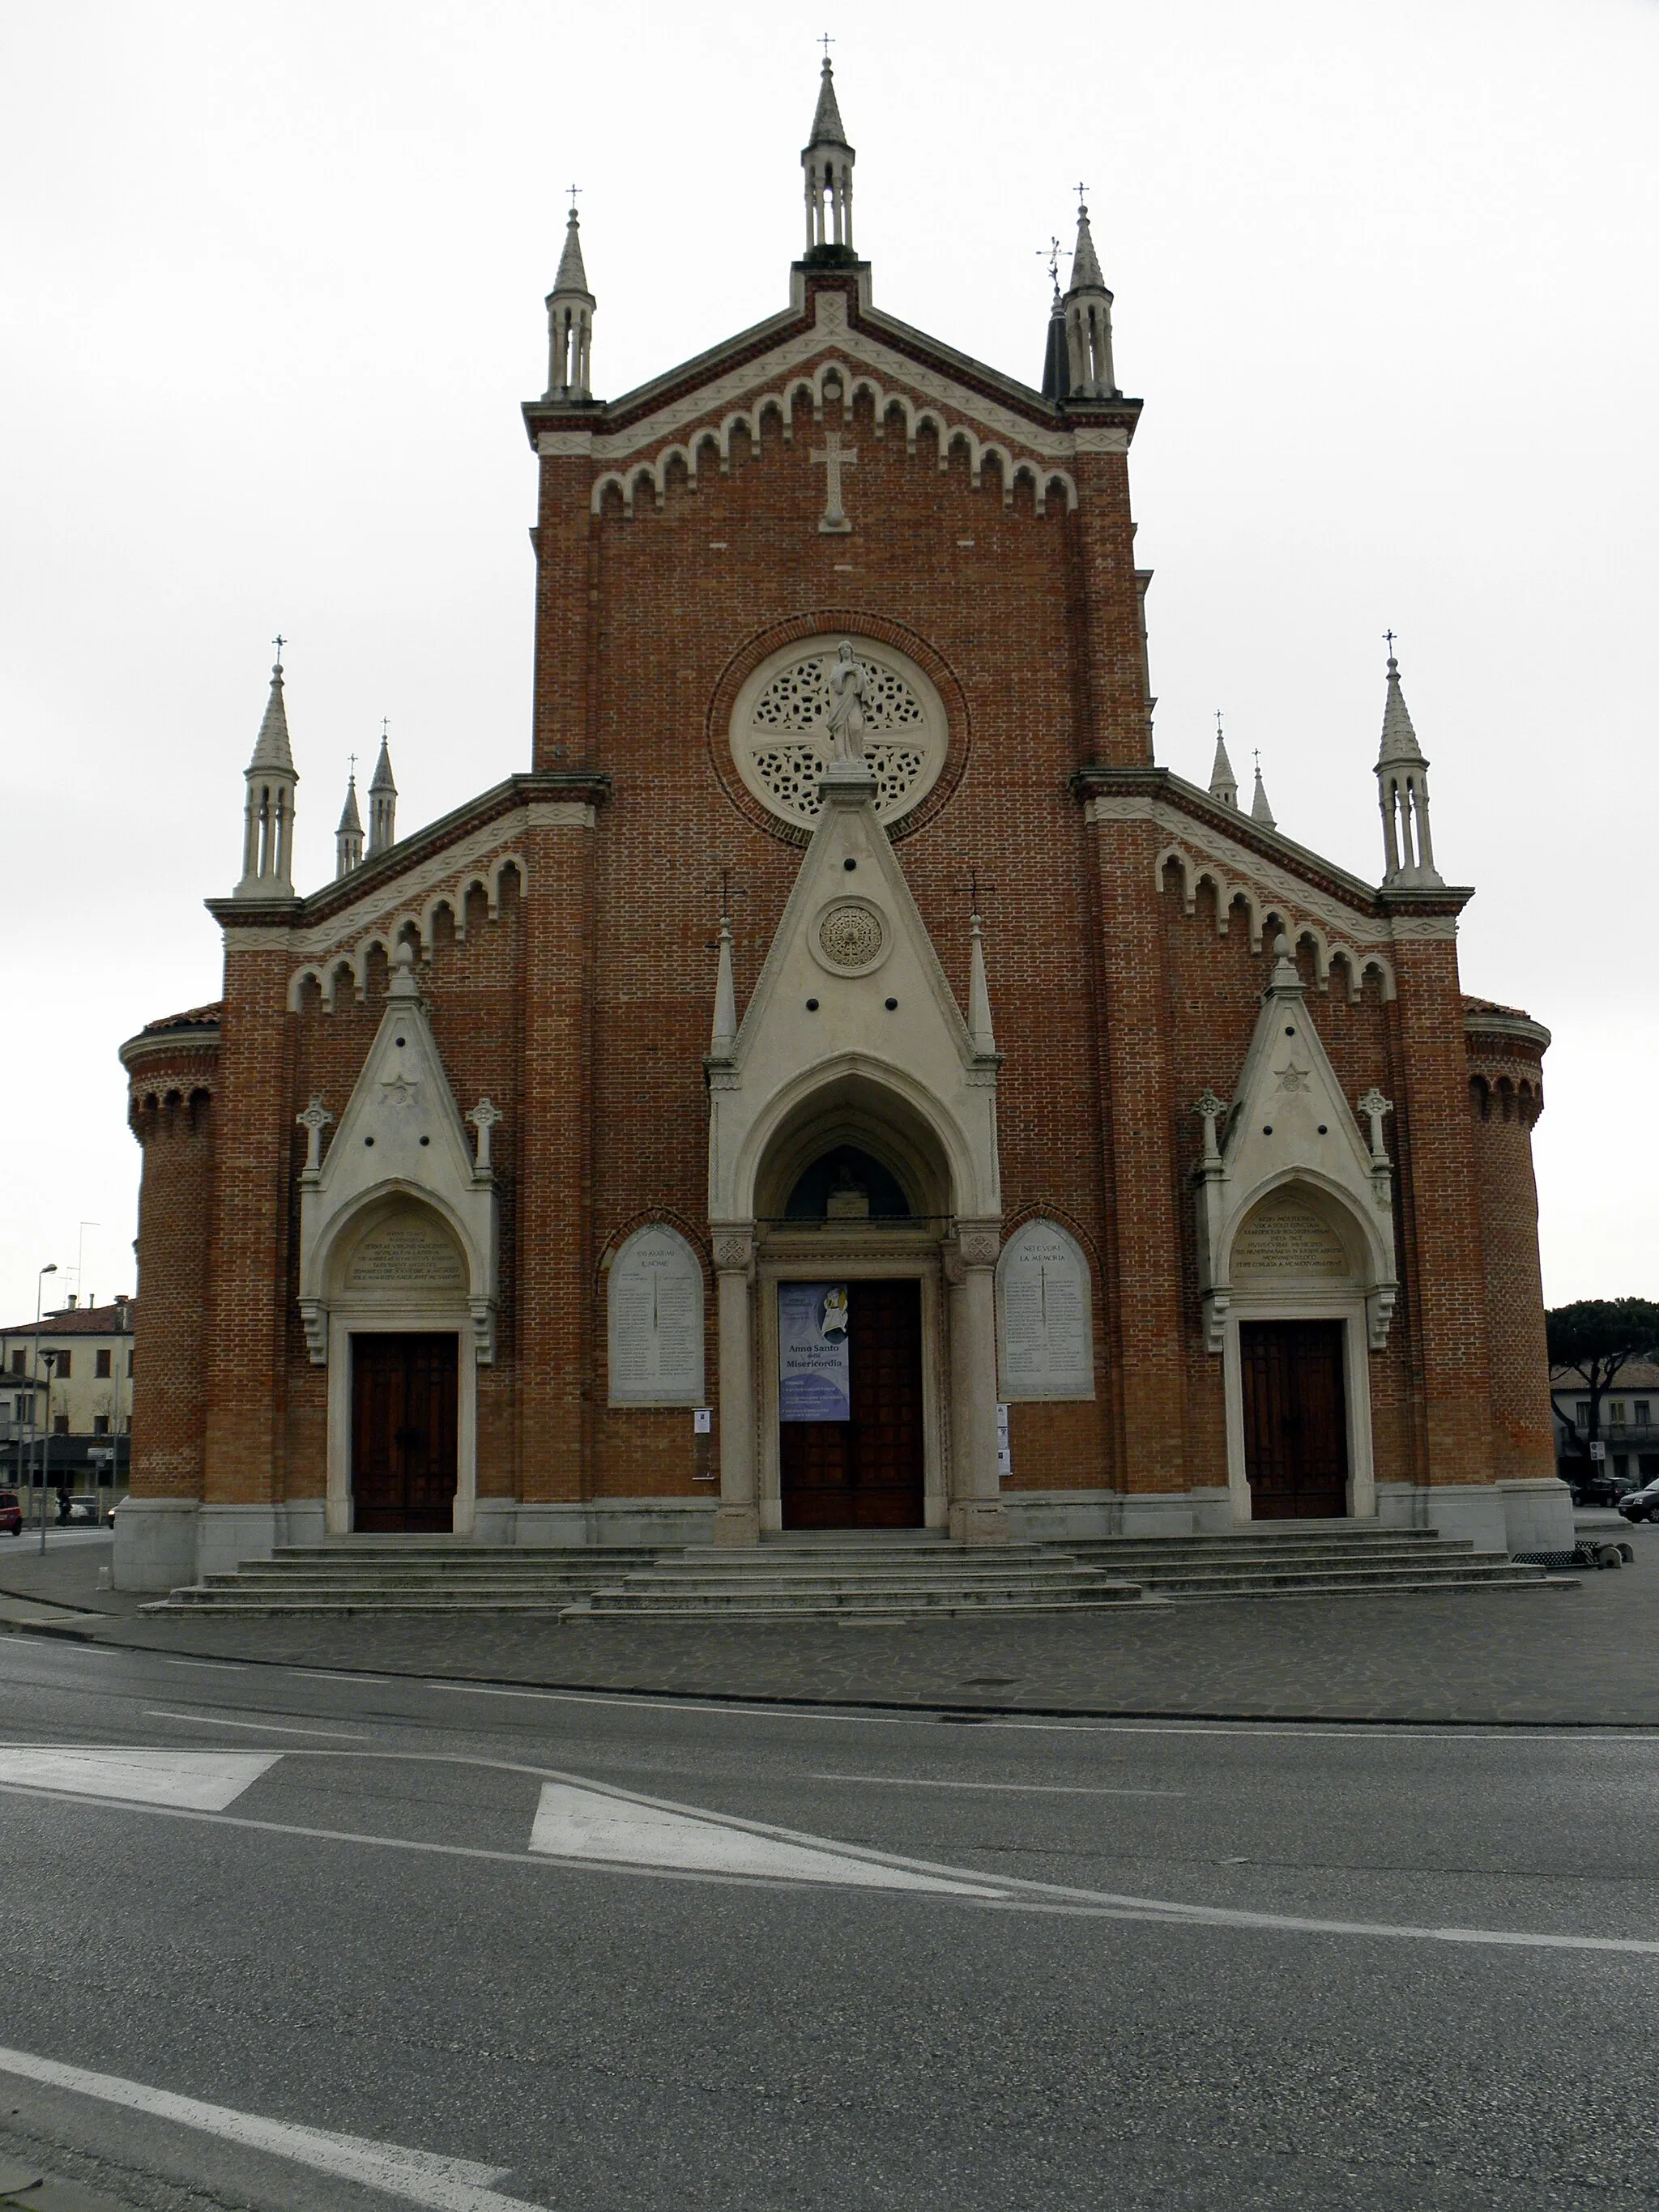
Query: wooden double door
point(867, 1472)
point(1296, 1418)
point(403, 1461)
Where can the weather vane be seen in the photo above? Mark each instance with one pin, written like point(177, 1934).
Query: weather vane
point(1388, 639)
point(1050, 253)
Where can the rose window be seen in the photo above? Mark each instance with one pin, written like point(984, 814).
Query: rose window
point(781, 745)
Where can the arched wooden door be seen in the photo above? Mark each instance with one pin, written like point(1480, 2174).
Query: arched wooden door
point(1296, 1424)
point(867, 1472)
point(403, 1433)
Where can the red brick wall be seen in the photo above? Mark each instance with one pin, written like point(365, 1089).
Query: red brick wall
point(248, 1373)
point(1445, 1311)
point(1505, 1099)
point(172, 1115)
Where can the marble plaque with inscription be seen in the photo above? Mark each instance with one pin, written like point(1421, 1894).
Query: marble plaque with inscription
point(656, 1320)
point(1288, 1242)
point(406, 1252)
point(1046, 1347)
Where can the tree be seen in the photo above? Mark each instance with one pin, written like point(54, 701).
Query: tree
point(1593, 1340)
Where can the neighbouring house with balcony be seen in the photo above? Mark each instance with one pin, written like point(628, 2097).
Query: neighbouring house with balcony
point(1629, 1425)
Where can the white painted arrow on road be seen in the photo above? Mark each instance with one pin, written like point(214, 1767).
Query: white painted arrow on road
point(195, 1781)
point(573, 1823)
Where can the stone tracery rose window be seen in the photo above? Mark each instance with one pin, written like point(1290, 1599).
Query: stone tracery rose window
point(780, 747)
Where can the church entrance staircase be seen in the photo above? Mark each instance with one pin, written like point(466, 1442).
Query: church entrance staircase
point(847, 1577)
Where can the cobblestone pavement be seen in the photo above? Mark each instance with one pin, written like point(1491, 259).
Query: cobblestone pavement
point(1579, 1654)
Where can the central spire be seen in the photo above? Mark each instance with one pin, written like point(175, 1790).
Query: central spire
point(828, 162)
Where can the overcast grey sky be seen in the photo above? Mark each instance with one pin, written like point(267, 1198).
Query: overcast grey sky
point(272, 284)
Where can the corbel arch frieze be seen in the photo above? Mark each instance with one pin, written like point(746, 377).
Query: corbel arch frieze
point(651, 475)
point(348, 964)
point(1264, 910)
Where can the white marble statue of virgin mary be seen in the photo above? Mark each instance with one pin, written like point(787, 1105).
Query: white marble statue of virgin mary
point(845, 720)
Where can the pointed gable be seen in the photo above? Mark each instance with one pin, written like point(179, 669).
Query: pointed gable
point(1291, 1134)
point(852, 986)
point(400, 1138)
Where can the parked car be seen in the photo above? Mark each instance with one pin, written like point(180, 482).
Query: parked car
point(1598, 1485)
point(11, 1514)
point(1641, 1504)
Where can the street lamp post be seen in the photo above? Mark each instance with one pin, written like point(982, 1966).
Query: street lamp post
point(50, 1268)
point(50, 1358)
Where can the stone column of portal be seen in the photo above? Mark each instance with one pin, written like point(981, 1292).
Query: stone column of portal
point(977, 1515)
point(738, 1520)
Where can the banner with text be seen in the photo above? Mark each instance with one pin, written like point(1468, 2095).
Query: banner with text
point(814, 1377)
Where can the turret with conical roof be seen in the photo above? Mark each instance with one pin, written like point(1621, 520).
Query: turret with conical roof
point(1088, 306)
point(827, 160)
point(1223, 784)
point(1402, 778)
point(382, 803)
point(268, 816)
point(1260, 810)
point(570, 307)
point(348, 838)
point(1056, 353)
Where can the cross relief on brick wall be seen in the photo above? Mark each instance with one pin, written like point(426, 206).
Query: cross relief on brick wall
point(830, 380)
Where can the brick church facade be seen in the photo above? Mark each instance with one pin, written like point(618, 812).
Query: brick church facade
point(844, 1082)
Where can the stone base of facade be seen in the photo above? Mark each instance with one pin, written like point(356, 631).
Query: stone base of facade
point(162, 1543)
point(1527, 1515)
point(155, 1543)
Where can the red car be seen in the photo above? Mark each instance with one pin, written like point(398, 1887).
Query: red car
point(11, 1514)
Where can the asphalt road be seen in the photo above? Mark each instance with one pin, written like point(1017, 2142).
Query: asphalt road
point(557, 1944)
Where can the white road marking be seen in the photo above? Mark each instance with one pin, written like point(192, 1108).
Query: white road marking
point(192, 1781)
point(255, 1727)
point(576, 1823)
point(419, 2177)
point(1020, 1788)
point(311, 1674)
point(952, 1885)
point(928, 1715)
point(224, 1666)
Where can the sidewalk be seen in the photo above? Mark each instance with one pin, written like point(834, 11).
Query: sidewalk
point(1575, 1656)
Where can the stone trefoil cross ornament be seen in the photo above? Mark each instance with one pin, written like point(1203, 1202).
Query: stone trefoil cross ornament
point(315, 1119)
point(1209, 1110)
point(833, 457)
point(484, 1117)
point(1373, 1106)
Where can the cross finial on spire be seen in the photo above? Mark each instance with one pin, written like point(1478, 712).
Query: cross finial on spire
point(352, 758)
point(574, 191)
point(279, 642)
point(1082, 195)
point(826, 42)
point(1218, 725)
point(385, 724)
point(1388, 639)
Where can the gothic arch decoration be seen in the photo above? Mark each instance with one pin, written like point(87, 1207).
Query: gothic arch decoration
point(653, 476)
point(417, 927)
point(1263, 910)
point(917, 794)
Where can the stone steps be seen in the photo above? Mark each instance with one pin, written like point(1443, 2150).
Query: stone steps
point(916, 1574)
